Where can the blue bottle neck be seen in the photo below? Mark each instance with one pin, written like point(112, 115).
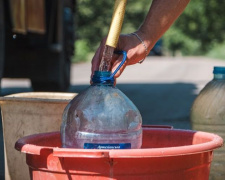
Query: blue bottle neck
point(219, 77)
point(102, 78)
point(219, 73)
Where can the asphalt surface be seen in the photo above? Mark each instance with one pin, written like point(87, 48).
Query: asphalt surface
point(163, 88)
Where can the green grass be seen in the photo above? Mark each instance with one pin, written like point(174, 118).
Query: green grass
point(218, 52)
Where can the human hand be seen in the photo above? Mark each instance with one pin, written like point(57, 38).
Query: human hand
point(129, 43)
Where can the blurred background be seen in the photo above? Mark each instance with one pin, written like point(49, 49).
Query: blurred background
point(47, 45)
point(199, 31)
point(41, 39)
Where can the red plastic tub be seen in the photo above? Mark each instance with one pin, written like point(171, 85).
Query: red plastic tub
point(166, 154)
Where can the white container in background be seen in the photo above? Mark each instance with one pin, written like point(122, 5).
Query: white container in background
point(25, 114)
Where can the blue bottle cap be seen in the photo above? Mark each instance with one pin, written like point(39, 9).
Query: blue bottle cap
point(102, 78)
point(219, 70)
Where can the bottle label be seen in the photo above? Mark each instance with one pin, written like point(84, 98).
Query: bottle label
point(107, 146)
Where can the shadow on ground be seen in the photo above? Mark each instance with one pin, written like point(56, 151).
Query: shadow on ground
point(160, 104)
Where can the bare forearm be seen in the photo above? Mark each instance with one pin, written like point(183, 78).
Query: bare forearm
point(160, 17)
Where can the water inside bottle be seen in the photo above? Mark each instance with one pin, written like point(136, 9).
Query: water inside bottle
point(101, 117)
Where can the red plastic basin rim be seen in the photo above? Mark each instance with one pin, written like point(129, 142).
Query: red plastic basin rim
point(216, 142)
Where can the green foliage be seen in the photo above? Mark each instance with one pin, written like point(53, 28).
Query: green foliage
point(94, 18)
point(93, 21)
point(175, 40)
point(135, 14)
point(217, 51)
point(203, 21)
point(82, 51)
point(197, 31)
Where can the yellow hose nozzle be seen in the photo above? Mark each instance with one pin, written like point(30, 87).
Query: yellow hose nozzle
point(116, 23)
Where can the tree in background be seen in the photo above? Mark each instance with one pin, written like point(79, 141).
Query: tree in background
point(94, 18)
point(197, 31)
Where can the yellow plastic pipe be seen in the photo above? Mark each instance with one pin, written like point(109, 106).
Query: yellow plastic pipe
point(116, 23)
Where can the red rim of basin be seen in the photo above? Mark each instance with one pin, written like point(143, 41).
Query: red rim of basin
point(26, 145)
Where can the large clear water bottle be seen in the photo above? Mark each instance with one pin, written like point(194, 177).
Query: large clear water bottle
point(101, 117)
point(208, 114)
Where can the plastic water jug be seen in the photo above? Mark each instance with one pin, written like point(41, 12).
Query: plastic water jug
point(102, 117)
point(208, 114)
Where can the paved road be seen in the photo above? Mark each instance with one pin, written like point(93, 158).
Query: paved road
point(163, 89)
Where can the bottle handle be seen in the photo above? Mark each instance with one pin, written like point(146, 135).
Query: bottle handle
point(124, 53)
